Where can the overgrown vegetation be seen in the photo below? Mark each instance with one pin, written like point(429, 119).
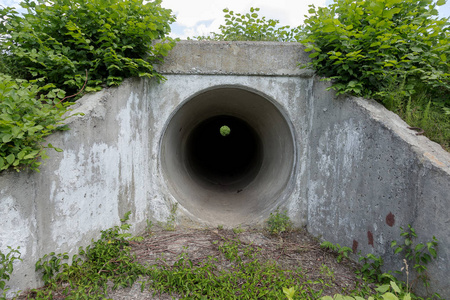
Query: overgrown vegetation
point(28, 113)
point(237, 270)
point(417, 255)
point(389, 291)
point(393, 51)
point(251, 27)
point(61, 47)
point(108, 260)
point(58, 41)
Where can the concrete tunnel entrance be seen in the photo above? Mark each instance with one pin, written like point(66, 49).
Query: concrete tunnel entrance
point(235, 178)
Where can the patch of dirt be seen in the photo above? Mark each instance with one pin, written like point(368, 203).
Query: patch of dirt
point(296, 250)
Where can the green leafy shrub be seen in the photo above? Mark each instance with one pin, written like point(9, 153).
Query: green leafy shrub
point(6, 267)
point(365, 46)
point(58, 40)
point(251, 27)
point(394, 51)
point(416, 254)
point(390, 291)
point(278, 222)
point(371, 268)
point(28, 113)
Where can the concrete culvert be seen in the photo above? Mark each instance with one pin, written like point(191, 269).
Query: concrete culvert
point(228, 156)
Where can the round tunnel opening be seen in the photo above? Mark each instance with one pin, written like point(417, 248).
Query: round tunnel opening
point(228, 179)
point(224, 159)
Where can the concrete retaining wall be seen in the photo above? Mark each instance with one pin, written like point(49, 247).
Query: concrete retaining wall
point(357, 172)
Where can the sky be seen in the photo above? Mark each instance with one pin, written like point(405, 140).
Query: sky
point(201, 17)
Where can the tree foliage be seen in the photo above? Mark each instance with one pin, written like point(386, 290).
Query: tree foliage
point(251, 27)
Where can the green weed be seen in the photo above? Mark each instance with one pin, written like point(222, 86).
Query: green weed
point(149, 227)
point(327, 273)
point(278, 222)
point(416, 254)
point(342, 252)
point(371, 268)
point(289, 292)
point(171, 220)
point(390, 291)
point(238, 230)
point(107, 259)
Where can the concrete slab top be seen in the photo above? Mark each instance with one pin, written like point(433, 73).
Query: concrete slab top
point(237, 58)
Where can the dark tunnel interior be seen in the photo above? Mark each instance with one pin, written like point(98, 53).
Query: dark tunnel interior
point(224, 160)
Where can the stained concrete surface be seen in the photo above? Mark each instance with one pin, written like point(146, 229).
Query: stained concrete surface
point(346, 168)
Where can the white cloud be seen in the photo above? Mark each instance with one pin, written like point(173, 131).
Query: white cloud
point(200, 17)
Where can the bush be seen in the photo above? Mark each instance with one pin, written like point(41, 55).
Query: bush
point(59, 40)
point(366, 46)
point(251, 27)
point(394, 51)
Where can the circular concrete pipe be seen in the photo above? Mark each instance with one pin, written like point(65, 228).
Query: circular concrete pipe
point(234, 178)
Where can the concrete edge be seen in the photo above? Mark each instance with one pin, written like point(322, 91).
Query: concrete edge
point(426, 149)
point(236, 58)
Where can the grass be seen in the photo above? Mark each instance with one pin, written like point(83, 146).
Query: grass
point(425, 112)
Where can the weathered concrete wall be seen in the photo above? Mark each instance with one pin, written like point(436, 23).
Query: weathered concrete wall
point(369, 175)
point(101, 174)
point(358, 173)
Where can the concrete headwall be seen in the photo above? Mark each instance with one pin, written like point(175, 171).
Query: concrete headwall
point(345, 167)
